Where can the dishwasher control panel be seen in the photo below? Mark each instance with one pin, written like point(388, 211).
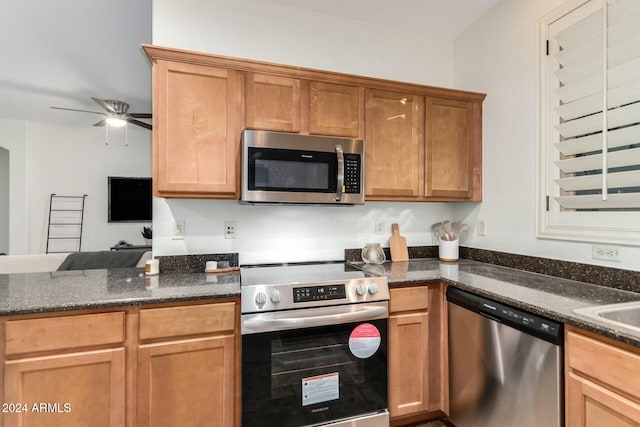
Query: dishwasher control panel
point(534, 324)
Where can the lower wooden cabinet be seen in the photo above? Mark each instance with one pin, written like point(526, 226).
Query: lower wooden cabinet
point(171, 365)
point(416, 353)
point(188, 378)
point(186, 383)
point(601, 382)
point(71, 390)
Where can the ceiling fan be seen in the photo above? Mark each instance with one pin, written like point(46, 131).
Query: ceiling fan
point(117, 114)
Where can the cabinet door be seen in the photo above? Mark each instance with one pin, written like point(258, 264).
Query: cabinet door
point(71, 390)
point(449, 149)
point(590, 405)
point(187, 383)
point(394, 135)
point(408, 363)
point(196, 140)
point(272, 103)
point(335, 109)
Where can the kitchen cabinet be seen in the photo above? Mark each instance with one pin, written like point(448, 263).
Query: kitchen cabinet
point(187, 366)
point(335, 109)
point(417, 354)
point(423, 143)
point(601, 389)
point(450, 150)
point(196, 135)
point(393, 134)
point(66, 370)
point(287, 104)
point(272, 102)
point(163, 365)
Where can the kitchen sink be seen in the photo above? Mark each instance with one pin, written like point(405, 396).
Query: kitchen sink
point(625, 314)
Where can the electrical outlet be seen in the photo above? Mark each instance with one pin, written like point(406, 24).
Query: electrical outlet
point(178, 230)
point(379, 226)
point(482, 227)
point(230, 228)
point(607, 253)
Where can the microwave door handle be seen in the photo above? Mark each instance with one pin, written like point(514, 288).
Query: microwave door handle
point(340, 177)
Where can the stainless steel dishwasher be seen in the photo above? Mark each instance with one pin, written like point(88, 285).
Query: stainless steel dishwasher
point(505, 365)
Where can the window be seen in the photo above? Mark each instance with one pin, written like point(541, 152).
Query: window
point(589, 155)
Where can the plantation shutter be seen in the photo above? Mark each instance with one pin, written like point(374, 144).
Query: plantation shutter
point(597, 157)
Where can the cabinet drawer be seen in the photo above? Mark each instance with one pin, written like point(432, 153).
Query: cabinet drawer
point(408, 299)
point(604, 362)
point(67, 332)
point(189, 320)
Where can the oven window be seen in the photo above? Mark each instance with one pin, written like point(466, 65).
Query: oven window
point(300, 377)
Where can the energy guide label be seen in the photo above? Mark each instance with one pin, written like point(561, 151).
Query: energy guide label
point(364, 340)
point(321, 388)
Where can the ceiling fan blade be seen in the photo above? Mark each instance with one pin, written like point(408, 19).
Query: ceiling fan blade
point(140, 115)
point(82, 111)
point(101, 122)
point(139, 123)
point(105, 105)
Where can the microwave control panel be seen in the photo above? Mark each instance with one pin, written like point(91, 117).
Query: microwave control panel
point(352, 173)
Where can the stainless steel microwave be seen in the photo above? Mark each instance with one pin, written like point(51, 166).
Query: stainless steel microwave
point(303, 169)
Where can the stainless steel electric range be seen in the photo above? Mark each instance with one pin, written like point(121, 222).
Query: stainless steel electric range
point(314, 346)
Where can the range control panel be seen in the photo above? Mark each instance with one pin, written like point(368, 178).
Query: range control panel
point(260, 298)
point(319, 293)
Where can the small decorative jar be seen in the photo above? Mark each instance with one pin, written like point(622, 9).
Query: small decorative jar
point(372, 253)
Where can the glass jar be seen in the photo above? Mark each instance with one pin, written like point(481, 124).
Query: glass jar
point(372, 253)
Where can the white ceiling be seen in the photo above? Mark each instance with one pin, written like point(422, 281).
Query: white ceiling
point(61, 53)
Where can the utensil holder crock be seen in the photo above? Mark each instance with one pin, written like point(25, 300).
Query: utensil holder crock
point(448, 250)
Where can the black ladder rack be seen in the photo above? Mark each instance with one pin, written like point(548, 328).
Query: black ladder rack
point(66, 217)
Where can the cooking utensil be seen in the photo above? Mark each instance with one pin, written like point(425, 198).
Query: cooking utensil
point(398, 245)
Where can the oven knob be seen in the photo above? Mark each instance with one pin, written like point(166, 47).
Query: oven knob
point(373, 288)
point(360, 289)
point(275, 296)
point(261, 298)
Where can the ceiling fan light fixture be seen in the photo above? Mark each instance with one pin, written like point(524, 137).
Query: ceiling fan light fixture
point(116, 122)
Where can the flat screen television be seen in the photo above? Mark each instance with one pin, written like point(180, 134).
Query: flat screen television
point(129, 199)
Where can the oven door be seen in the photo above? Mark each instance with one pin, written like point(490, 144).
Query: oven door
point(314, 375)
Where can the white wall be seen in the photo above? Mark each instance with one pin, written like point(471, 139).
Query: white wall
point(4, 200)
point(270, 32)
point(287, 35)
point(288, 233)
point(70, 160)
point(13, 137)
point(498, 55)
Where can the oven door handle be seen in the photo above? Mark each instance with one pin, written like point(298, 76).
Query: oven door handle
point(266, 324)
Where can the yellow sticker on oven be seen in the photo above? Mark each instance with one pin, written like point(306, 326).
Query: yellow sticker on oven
point(364, 340)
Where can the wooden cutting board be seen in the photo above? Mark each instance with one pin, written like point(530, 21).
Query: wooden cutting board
point(398, 245)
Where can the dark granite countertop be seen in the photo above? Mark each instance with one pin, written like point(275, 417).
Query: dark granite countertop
point(89, 289)
point(548, 296)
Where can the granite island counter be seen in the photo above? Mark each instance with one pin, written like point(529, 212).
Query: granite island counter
point(31, 293)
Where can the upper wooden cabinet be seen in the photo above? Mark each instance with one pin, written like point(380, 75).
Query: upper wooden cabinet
point(394, 123)
point(449, 161)
point(335, 109)
point(196, 133)
point(272, 102)
point(422, 142)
